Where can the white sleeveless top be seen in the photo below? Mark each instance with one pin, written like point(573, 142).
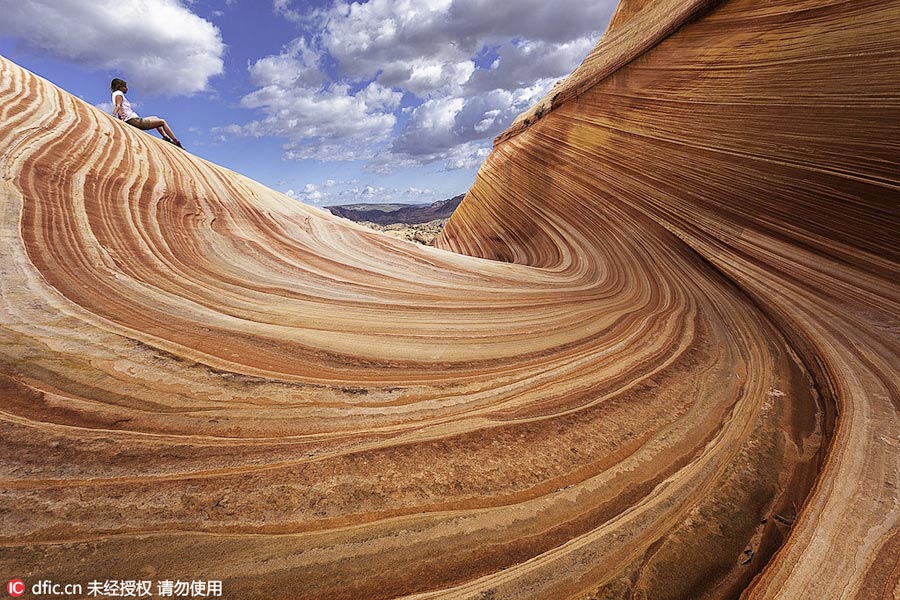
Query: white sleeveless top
point(125, 111)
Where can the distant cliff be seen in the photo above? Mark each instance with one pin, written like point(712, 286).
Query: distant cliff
point(389, 214)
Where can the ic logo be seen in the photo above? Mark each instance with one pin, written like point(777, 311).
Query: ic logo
point(15, 587)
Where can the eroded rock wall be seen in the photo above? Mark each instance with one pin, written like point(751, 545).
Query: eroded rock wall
point(763, 136)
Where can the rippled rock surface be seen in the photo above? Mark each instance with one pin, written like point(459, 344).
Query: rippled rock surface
point(661, 361)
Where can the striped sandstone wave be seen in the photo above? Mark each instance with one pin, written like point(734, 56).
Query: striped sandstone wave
point(660, 363)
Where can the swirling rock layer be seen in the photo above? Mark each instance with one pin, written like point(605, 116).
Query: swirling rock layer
point(674, 378)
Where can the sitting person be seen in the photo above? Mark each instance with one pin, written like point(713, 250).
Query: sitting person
point(122, 110)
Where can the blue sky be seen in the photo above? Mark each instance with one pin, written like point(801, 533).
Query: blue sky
point(328, 101)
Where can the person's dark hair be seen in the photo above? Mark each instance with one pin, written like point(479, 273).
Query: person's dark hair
point(117, 84)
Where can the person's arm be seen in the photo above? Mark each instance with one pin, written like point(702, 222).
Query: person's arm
point(117, 105)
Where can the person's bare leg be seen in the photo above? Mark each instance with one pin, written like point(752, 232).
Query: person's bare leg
point(160, 125)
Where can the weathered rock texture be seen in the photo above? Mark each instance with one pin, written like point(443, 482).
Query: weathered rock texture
point(677, 379)
point(422, 233)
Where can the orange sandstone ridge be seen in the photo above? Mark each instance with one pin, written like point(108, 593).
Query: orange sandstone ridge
point(676, 376)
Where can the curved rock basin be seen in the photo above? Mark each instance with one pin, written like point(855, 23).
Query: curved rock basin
point(661, 360)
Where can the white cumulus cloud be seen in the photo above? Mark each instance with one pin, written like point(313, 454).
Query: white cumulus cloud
point(326, 123)
point(159, 46)
point(403, 83)
point(459, 131)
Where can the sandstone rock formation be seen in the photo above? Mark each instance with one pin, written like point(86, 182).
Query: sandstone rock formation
point(422, 233)
point(676, 376)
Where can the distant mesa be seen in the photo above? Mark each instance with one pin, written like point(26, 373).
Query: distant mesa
point(390, 214)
